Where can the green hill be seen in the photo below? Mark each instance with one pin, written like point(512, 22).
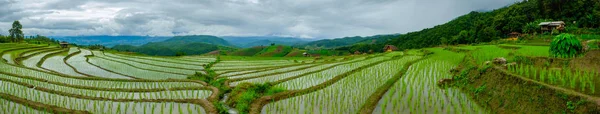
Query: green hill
point(580, 16)
point(248, 51)
point(274, 51)
point(478, 27)
point(199, 38)
point(347, 41)
point(251, 41)
point(180, 45)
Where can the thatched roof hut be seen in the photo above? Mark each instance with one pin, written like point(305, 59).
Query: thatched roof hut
point(389, 48)
point(64, 44)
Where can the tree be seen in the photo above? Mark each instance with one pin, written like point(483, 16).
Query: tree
point(464, 37)
point(531, 27)
point(16, 35)
point(565, 46)
point(487, 34)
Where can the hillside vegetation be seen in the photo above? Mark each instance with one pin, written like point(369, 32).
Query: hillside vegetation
point(477, 27)
point(347, 41)
point(179, 45)
point(252, 41)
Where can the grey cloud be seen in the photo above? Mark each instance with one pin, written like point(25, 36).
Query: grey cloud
point(301, 18)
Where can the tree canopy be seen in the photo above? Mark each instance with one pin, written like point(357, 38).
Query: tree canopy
point(16, 35)
point(522, 16)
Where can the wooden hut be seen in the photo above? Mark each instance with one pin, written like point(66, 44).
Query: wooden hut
point(549, 26)
point(390, 48)
point(514, 36)
point(356, 52)
point(64, 44)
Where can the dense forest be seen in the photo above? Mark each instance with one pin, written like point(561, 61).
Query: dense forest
point(179, 45)
point(345, 42)
point(580, 16)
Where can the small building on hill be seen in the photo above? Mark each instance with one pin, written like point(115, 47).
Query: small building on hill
point(357, 52)
point(390, 48)
point(549, 26)
point(64, 44)
point(514, 36)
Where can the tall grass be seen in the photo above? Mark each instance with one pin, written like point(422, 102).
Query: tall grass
point(417, 91)
point(488, 53)
point(534, 51)
point(584, 81)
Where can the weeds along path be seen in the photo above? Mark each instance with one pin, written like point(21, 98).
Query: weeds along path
point(313, 98)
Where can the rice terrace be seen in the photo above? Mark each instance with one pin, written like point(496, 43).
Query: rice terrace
point(504, 56)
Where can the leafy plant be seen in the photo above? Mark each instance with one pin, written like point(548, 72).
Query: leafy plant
point(565, 46)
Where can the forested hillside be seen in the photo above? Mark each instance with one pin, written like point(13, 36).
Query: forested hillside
point(110, 41)
point(348, 41)
point(251, 41)
point(180, 45)
point(478, 27)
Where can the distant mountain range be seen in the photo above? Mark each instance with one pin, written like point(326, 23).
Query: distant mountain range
point(110, 40)
point(251, 41)
point(348, 41)
point(180, 45)
point(200, 44)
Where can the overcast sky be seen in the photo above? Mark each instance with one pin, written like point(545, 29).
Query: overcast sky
point(296, 18)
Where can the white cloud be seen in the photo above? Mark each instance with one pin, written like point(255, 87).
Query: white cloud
point(299, 18)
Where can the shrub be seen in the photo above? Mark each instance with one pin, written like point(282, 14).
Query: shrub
point(565, 46)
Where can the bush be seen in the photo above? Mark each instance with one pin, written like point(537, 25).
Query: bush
point(565, 46)
point(594, 44)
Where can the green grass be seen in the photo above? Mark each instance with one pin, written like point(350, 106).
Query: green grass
point(488, 53)
point(275, 51)
point(534, 51)
point(249, 58)
point(589, 36)
point(584, 81)
point(467, 47)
